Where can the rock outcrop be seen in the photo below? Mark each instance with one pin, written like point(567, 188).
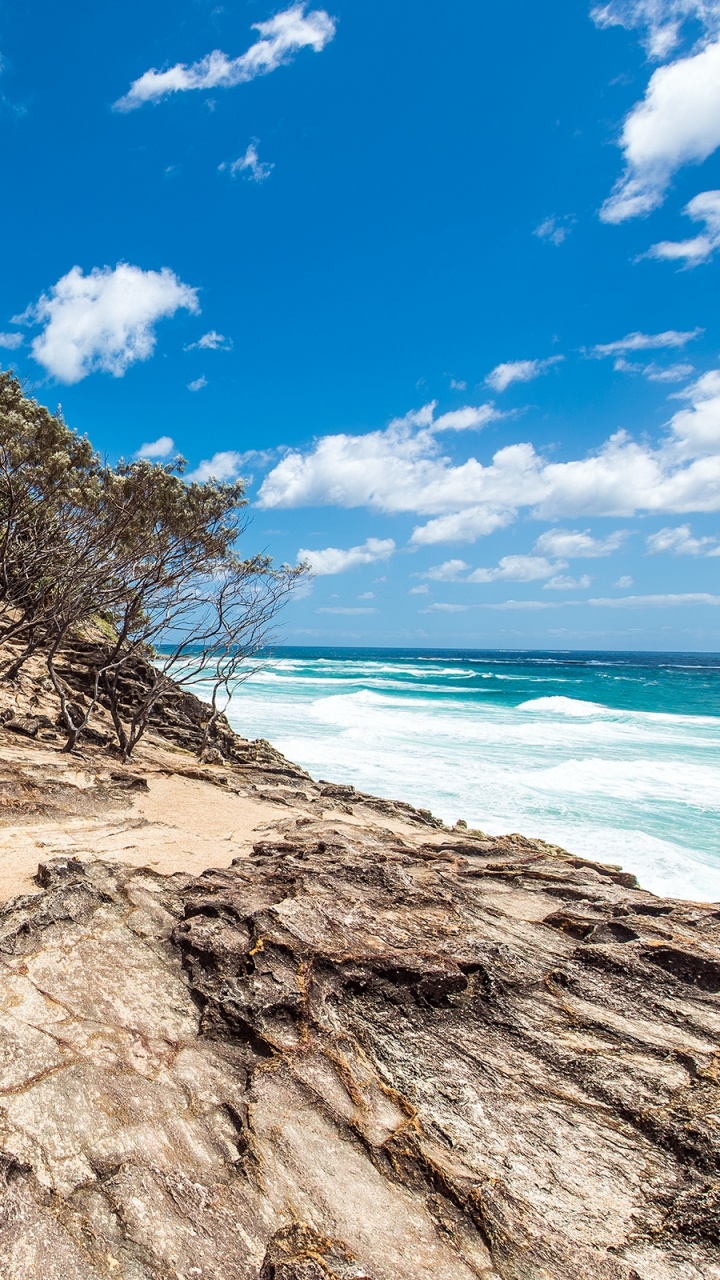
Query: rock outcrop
point(359, 1055)
point(358, 1046)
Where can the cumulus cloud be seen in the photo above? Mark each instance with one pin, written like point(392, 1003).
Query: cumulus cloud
point(11, 341)
point(503, 375)
point(402, 469)
point(660, 21)
point(677, 123)
point(469, 418)
point(450, 571)
point(681, 542)
point(697, 428)
point(518, 569)
point(250, 163)
point(624, 582)
point(391, 470)
point(461, 526)
point(334, 560)
point(160, 448)
point(280, 38)
point(671, 338)
point(704, 207)
point(572, 544)
point(212, 341)
point(222, 466)
point(104, 321)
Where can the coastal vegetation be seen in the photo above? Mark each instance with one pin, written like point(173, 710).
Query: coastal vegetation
point(101, 564)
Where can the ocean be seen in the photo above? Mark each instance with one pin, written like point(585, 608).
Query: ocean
point(615, 756)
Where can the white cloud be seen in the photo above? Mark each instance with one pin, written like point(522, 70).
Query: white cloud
point(11, 341)
point(461, 526)
point(697, 429)
point(446, 608)
point(669, 601)
point(503, 375)
point(677, 123)
point(160, 448)
point(562, 582)
point(680, 542)
point(660, 20)
point(424, 590)
point(280, 38)
point(518, 569)
point(554, 229)
point(222, 466)
point(250, 163)
point(259, 458)
point(671, 338)
point(524, 604)
point(573, 544)
point(391, 470)
point(655, 372)
point(458, 385)
point(197, 384)
point(334, 560)
point(624, 582)
point(670, 373)
point(704, 207)
point(350, 612)
point(656, 602)
point(212, 341)
point(367, 595)
point(104, 321)
point(470, 418)
point(402, 469)
point(450, 571)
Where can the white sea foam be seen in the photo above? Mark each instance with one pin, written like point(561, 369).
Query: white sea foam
point(636, 787)
point(563, 706)
point(633, 781)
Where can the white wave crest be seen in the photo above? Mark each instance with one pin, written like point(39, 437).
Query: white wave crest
point(561, 705)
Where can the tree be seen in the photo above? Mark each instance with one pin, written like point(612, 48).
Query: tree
point(136, 547)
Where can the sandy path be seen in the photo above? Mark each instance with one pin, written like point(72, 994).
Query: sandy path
point(147, 814)
point(178, 825)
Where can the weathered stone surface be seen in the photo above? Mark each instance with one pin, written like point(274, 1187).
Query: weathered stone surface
point(359, 1056)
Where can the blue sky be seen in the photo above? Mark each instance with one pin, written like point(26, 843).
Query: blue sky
point(440, 281)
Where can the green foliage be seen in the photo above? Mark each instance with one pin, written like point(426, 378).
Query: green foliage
point(134, 545)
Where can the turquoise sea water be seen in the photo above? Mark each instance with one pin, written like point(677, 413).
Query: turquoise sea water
point(615, 756)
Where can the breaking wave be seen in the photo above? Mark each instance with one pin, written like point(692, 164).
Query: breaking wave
point(622, 770)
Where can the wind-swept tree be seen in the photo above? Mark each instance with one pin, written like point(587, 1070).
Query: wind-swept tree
point(136, 547)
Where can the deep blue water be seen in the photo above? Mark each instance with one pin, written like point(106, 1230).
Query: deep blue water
point(612, 755)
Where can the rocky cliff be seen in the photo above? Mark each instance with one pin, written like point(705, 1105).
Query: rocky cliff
point(369, 1048)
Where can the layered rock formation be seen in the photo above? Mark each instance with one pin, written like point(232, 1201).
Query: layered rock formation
point(370, 1048)
point(354, 1054)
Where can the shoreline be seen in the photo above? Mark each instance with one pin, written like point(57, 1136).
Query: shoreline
point(164, 809)
point(250, 1016)
point(614, 758)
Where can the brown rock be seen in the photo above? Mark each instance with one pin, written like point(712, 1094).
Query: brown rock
point(358, 1056)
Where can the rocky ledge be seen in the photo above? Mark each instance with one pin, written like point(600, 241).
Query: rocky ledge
point(359, 1055)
